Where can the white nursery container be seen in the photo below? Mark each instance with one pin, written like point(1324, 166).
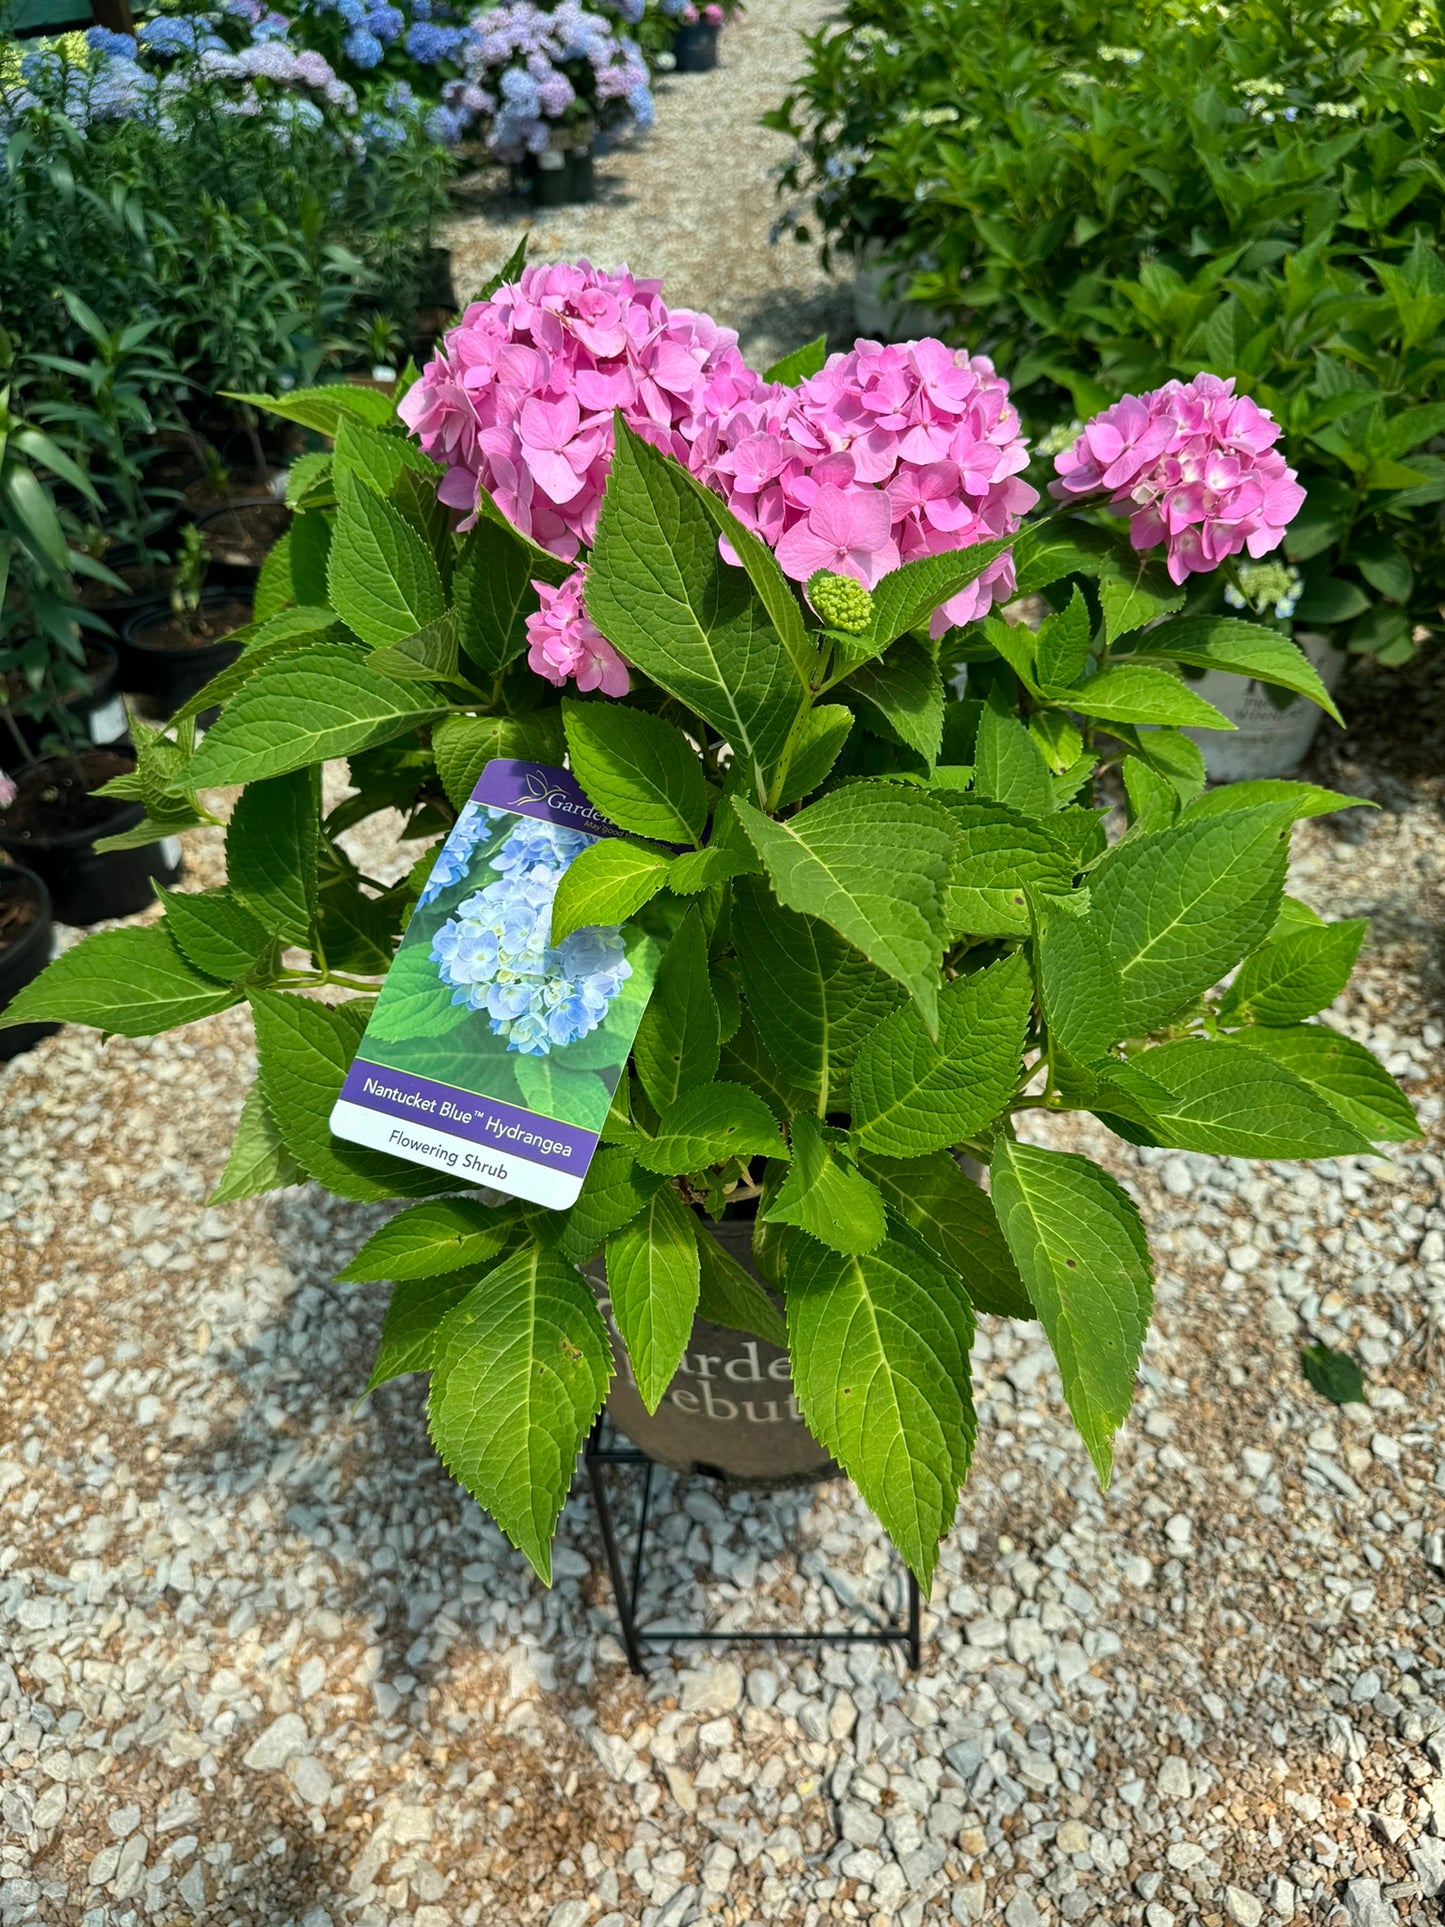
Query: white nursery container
point(1267, 740)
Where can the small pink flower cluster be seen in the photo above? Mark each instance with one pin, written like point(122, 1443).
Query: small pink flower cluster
point(520, 396)
point(563, 641)
point(886, 455)
point(1195, 467)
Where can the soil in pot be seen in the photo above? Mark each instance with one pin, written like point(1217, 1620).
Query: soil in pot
point(55, 822)
point(26, 940)
point(166, 658)
point(204, 498)
point(730, 1411)
point(238, 538)
point(97, 710)
point(118, 605)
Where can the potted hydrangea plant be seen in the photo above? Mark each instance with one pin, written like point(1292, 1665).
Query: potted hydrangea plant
point(695, 36)
point(896, 931)
point(549, 82)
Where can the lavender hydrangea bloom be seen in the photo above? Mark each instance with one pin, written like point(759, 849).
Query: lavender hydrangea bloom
point(496, 952)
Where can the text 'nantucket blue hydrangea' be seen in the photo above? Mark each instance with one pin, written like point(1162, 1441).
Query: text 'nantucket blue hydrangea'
point(495, 952)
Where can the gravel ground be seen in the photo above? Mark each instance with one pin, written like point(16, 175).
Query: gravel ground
point(693, 203)
point(261, 1662)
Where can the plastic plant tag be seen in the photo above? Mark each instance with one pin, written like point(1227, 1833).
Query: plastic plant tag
point(490, 1053)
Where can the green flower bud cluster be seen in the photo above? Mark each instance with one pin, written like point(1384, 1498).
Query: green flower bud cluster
point(841, 602)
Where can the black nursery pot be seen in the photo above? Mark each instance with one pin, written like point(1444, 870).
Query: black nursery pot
point(168, 675)
point(730, 1411)
point(558, 179)
point(695, 49)
point(57, 839)
point(97, 711)
point(25, 912)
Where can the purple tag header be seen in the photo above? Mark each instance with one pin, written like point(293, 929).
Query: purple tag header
point(485, 1121)
point(540, 790)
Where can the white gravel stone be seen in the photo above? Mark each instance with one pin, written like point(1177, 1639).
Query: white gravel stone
point(282, 1740)
point(310, 1779)
point(713, 1689)
point(1243, 1908)
point(1366, 1906)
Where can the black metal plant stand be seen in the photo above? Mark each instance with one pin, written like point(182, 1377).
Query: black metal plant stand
point(601, 1453)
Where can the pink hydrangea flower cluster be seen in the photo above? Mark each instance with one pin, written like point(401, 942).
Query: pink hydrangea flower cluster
point(1195, 467)
point(886, 455)
point(520, 395)
point(563, 643)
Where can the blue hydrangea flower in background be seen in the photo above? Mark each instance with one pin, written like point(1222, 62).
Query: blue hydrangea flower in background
point(102, 41)
point(169, 34)
point(386, 23)
point(496, 952)
point(362, 48)
point(428, 41)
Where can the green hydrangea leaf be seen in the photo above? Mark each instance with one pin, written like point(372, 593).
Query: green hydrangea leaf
point(879, 1344)
point(305, 1049)
point(259, 1161)
point(382, 579)
point(999, 854)
point(605, 885)
point(492, 595)
point(652, 1281)
point(1294, 976)
point(431, 1239)
point(812, 998)
point(1234, 1102)
point(1333, 1374)
point(215, 931)
point(272, 852)
point(706, 1125)
point(415, 1314)
point(729, 1296)
point(1136, 692)
point(638, 770)
point(1081, 1249)
point(1009, 766)
point(126, 983)
point(1343, 1072)
point(306, 708)
point(825, 1196)
point(872, 861)
point(521, 1367)
point(663, 596)
point(953, 1217)
point(464, 745)
point(1180, 908)
point(1242, 648)
point(679, 1038)
point(615, 1189)
point(913, 1094)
